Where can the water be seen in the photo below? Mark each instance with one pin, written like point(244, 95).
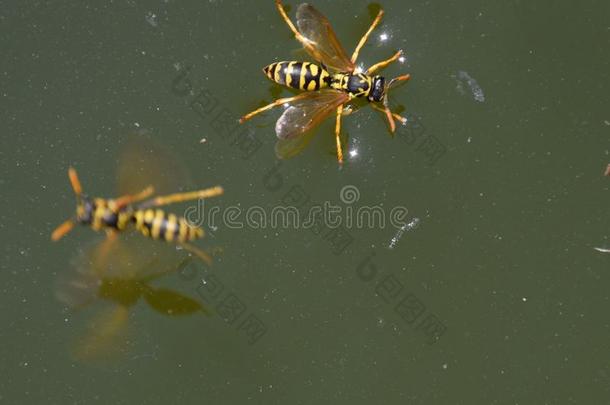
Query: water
point(499, 297)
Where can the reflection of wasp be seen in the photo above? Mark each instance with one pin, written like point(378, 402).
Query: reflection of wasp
point(325, 91)
point(124, 269)
point(137, 210)
point(120, 275)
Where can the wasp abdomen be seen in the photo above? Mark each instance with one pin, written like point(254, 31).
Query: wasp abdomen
point(298, 75)
point(158, 224)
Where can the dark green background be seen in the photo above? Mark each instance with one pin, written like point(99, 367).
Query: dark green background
point(509, 215)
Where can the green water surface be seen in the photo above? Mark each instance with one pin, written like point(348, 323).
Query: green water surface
point(497, 297)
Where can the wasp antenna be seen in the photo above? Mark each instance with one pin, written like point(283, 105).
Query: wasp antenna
point(62, 230)
point(76, 186)
point(399, 79)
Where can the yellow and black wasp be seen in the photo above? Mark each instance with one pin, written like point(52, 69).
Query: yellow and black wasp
point(325, 92)
point(138, 211)
point(123, 269)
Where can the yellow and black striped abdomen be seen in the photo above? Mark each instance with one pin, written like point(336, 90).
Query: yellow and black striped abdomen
point(298, 75)
point(157, 224)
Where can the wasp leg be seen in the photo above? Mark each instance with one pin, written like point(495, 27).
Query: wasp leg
point(128, 199)
point(337, 133)
point(104, 249)
point(384, 63)
point(276, 103)
point(366, 36)
point(197, 252)
point(306, 43)
point(181, 197)
point(390, 117)
point(181, 266)
point(397, 117)
point(348, 110)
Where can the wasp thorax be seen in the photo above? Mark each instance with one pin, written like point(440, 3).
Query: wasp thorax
point(378, 91)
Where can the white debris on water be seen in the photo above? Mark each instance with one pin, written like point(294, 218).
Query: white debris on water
point(463, 80)
point(151, 18)
point(401, 231)
point(602, 250)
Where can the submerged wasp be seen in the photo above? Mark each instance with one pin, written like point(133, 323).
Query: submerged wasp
point(325, 92)
point(109, 282)
point(115, 277)
point(117, 272)
point(137, 211)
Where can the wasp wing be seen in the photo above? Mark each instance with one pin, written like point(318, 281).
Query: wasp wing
point(171, 303)
point(107, 337)
point(307, 111)
point(144, 162)
point(288, 148)
point(323, 44)
point(114, 270)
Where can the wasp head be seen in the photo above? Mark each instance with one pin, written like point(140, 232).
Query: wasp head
point(84, 210)
point(378, 90)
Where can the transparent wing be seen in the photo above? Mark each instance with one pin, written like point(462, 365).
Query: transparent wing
point(324, 45)
point(115, 273)
point(113, 269)
point(287, 148)
point(308, 111)
point(143, 162)
point(106, 338)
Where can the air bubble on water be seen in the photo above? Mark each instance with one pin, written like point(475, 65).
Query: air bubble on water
point(465, 80)
point(401, 231)
point(151, 18)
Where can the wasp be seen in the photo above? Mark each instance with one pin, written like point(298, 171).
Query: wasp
point(328, 84)
point(139, 211)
